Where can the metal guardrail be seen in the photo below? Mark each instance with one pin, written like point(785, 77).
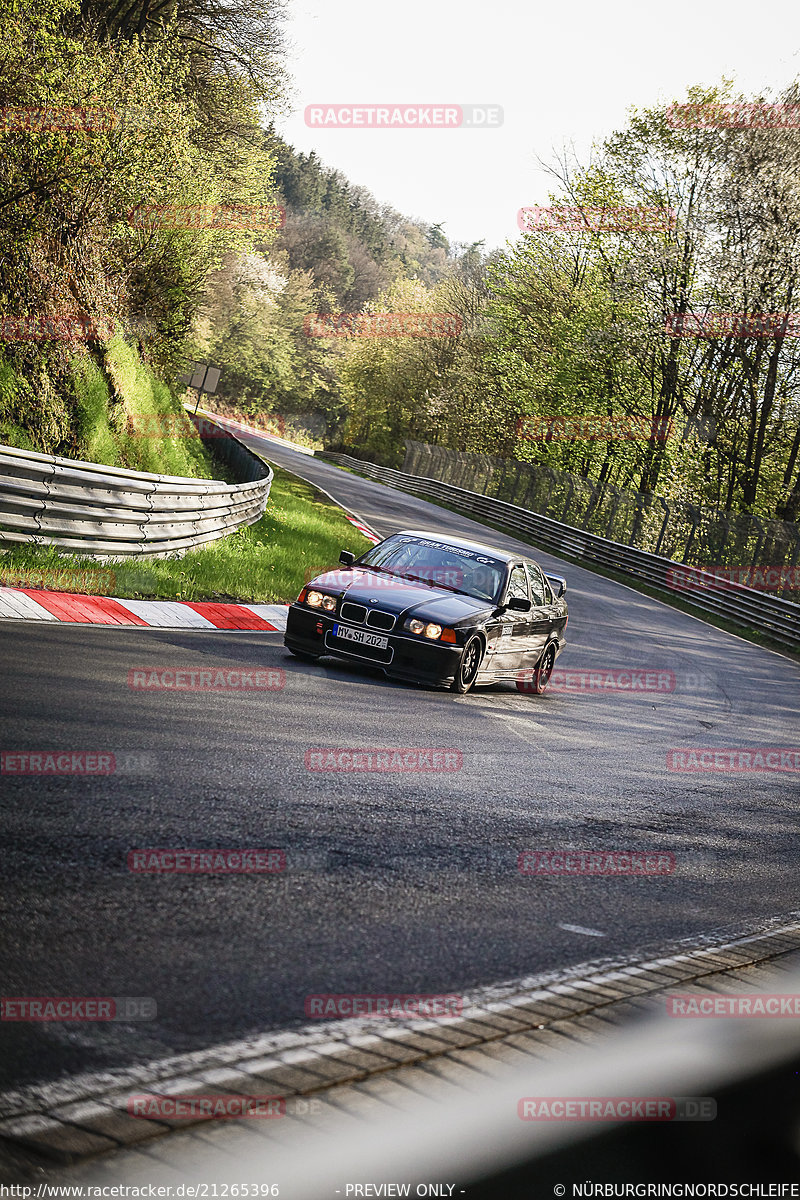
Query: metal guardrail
point(674, 528)
point(92, 509)
point(779, 619)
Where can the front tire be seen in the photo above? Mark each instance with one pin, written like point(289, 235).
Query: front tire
point(468, 666)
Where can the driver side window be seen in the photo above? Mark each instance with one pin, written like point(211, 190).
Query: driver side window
point(518, 584)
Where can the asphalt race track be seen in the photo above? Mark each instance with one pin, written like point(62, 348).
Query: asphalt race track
point(394, 882)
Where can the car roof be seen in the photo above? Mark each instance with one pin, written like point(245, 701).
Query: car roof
point(481, 547)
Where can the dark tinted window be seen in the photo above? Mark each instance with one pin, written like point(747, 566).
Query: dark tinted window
point(428, 560)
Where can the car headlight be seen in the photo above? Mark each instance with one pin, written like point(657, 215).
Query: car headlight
point(431, 630)
point(315, 599)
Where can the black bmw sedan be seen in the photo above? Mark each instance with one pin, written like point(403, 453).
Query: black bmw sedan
point(437, 610)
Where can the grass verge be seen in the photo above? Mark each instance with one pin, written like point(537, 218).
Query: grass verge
point(300, 534)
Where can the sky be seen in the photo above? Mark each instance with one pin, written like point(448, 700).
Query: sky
point(564, 76)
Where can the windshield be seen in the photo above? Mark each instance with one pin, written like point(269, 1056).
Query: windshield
point(439, 564)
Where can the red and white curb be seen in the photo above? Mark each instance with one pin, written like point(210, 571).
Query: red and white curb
point(29, 604)
point(368, 533)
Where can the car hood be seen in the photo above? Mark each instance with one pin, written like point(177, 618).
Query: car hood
point(400, 596)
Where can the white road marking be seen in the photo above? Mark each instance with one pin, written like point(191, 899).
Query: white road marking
point(582, 929)
point(523, 727)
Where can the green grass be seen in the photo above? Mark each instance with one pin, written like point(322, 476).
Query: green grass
point(300, 534)
point(107, 408)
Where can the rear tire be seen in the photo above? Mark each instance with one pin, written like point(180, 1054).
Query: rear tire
point(468, 666)
point(543, 671)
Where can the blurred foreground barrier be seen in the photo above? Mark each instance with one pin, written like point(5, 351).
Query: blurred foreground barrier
point(728, 1088)
point(777, 618)
point(94, 509)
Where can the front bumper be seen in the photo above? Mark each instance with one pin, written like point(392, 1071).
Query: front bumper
point(406, 655)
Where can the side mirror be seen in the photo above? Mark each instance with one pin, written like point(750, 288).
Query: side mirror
point(347, 558)
point(519, 604)
point(559, 585)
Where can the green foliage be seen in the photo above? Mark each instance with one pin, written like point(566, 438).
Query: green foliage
point(95, 440)
point(419, 386)
point(579, 326)
point(563, 324)
point(33, 415)
point(111, 410)
point(83, 203)
point(338, 251)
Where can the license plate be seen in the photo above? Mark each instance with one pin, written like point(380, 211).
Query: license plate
point(361, 636)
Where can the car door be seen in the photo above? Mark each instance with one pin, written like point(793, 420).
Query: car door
point(513, 646)
point(545, 612)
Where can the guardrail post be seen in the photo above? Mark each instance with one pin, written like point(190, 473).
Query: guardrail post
point(664, 523)
point(570, 490)
point(762, 533)
point(694, 517)
point(615, 505)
